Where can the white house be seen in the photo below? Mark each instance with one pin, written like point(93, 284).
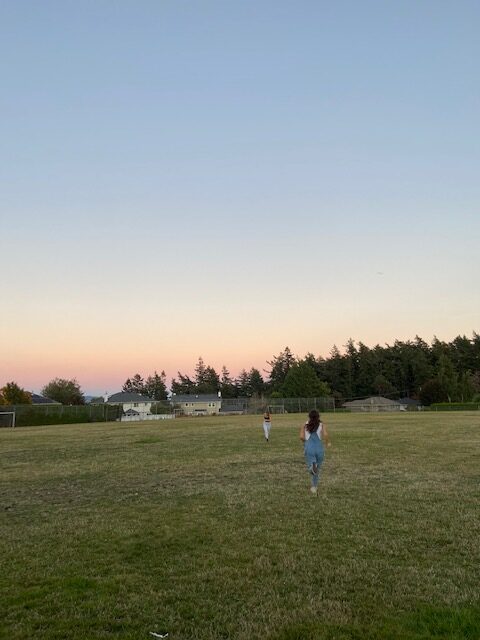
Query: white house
point(132, 403)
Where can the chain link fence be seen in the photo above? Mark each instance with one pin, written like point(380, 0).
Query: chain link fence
point(33, 415)
point(276, 405)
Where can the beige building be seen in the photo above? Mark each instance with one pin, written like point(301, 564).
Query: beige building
point(197, 405)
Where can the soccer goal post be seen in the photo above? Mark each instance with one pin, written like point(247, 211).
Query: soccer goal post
point(7, 418)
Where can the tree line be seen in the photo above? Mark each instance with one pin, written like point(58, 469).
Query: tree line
point(59, 389)
point(436, 372)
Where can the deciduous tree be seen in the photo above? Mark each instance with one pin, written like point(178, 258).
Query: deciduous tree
point(13, 394)
point(64, 391)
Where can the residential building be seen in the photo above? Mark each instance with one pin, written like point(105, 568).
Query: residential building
point(197, 405)
point(373, 404)
point(132, 403)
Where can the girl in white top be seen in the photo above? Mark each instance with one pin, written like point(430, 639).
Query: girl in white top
point(267, 423)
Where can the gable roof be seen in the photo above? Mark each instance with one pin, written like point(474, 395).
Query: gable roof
point(124, 396)
point(38, 399)
point(200, 397)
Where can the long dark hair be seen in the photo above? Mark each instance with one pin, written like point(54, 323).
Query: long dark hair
point(313, 421)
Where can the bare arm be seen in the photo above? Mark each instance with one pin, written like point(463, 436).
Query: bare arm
point(325, 436)
point(302, 433)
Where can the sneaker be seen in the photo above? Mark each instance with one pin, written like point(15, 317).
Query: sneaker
point(313, 491)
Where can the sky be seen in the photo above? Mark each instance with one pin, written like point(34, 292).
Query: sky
point(224, 179)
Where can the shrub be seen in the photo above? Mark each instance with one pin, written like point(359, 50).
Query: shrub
point(455, 406)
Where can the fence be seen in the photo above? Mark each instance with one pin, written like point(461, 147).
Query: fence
point(33, 415)
point(276, 405)
point(146, 416)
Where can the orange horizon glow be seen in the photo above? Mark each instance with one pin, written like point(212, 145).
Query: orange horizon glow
point(99, 370)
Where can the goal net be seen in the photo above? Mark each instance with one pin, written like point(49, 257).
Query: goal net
point(7, 418)
point(276, 408)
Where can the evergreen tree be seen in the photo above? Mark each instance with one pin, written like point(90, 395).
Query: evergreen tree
point(200, 372)
point(351, 362)
point(367, 369)
point(433, 391)
point(317, 364)
point(135, 385)
point(242, 384)
point(382, 387)
point(184, 385)
point(301, 382)
point(227, 384)
point(211, 381)
point(207, 379)
point(256, 384)
point(337, 375)
point(280, 365)
point(156, 386)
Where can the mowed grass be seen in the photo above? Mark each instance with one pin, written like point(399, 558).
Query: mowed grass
point(198, 528)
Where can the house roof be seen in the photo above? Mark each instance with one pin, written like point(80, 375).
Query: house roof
point(38, 399)
point(410, 401)
point(372, 400)
point(124, 396)
point(191, 397)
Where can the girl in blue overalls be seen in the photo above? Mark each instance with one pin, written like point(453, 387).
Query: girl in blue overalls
point(314, 433)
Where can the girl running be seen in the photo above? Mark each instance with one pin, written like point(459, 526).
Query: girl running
point(267, 423)
point(314, 433)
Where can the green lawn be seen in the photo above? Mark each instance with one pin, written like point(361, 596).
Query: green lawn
point(198, 528)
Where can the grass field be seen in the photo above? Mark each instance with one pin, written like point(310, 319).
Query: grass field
point(198, 528)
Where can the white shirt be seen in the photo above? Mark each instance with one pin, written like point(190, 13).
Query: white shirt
point(318, 431)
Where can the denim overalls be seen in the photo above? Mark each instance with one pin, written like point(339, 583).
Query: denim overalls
point(314, 455)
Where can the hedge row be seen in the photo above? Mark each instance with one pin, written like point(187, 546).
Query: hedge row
point(455, 406)
point(30, 416)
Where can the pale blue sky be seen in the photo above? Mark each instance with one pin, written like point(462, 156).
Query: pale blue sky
point(227, 178)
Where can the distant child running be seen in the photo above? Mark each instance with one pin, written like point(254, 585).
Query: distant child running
point(267, 424)
point(314, 433)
